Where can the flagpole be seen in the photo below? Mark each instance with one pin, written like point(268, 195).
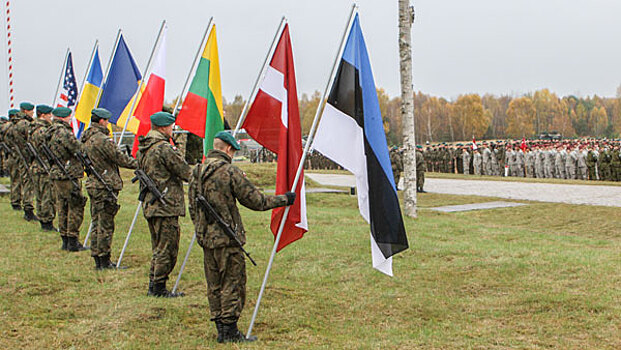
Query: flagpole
point(194, 64)
point(105, 79)
point(146, 71)
point(299, 171)
point(255, 89)
point(60, 77)
point(88, 68)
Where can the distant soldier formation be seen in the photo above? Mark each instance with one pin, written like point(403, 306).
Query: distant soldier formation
point(587, 159)
point(46, 164)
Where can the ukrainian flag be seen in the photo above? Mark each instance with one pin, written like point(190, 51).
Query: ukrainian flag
point(91, 89)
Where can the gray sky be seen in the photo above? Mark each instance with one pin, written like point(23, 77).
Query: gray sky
point(481, 46)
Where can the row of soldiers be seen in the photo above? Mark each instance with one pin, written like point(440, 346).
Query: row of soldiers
point(47, 162)
point(569, 159)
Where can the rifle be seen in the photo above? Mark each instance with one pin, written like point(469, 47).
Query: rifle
point(52, 157)
point(147, 185)
point(227, 228)
point(87, 163)
point(21, 156)
point(5, 148)
point(34, 152)
point(126, 149)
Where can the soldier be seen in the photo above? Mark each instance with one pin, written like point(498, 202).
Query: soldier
point(615, 163)
point(520, 162)
point(465, 156)
point(477, 162)
point(582, 163)
point(70, 201)
point(4, 124)
point(162, 162)
point(591, 161)
point(43, 189)
point(22, 189)
point(106, 158)
point(530, 163)
point(548, 162)
point(570, 163)
point(397, 165)
point(486, 157)
point(559, 163)
point(420, 170)
point(604, 164)
point(539, 160)
point(223, 184)
point(494, 157)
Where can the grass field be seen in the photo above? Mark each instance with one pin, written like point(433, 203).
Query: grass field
point(540, 276)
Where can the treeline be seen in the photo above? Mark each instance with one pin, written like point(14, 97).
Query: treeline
point(482, 117)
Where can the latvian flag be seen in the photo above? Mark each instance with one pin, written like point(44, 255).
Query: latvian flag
point(273, 120)
point(351, 133)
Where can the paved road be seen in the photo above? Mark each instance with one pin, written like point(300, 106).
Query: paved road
point(556, 193)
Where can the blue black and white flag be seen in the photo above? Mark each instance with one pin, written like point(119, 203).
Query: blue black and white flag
point(351, 133)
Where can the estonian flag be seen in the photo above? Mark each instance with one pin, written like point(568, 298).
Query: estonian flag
point(351, 133)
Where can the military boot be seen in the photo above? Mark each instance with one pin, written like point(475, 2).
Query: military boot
point(150, 291)
point(220, 329)
point(97, 262)
point(48, 226)
point(233, 335)
point(16, 207)
point(29, 215)
point(105, 262)
point(159, 290)
point(73, 245)
point(65, 240)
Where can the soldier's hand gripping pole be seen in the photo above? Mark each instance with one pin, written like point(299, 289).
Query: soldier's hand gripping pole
point(87, 163)
point(147, 185)
point(209, 210)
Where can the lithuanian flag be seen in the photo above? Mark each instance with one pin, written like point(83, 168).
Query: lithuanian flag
point(201, 112)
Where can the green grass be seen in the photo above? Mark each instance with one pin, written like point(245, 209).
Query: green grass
point(539, 276)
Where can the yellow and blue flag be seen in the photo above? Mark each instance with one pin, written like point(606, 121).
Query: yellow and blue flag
point(91, 89)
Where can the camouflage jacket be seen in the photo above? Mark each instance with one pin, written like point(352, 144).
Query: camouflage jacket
point(106, 158)
point(167, 168)
point(64, 145)
point(17, 135)
point(420, 162)
point(223, 184)
point(38, 137)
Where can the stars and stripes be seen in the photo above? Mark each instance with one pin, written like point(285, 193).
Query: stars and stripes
point(68, 95)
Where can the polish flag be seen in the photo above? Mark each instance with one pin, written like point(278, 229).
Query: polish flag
point(273, 120)
point(152, 98)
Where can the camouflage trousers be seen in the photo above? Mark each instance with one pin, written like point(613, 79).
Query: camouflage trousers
point(420, 180)
point(103, 210)
point(46, 197)
point(570, 172)
point(69, 208)
point(22, 187)
point(225, 271)
point(397, 176)
point(581, 174)
point(165, 233)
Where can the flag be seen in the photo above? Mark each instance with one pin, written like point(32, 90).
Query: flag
point(121, 84)
point(152, 98)
point(474, 144)
point(88, 99)
point(201, 112)
point(68, 94)
point(351, 133)
point(273, 120)
point(523, 145)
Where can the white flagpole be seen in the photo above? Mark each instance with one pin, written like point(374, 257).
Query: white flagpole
point(194, 64)
point(60, 77)
point(300, 168)
point(146, 71)
point(255, 89)
point(105, 79)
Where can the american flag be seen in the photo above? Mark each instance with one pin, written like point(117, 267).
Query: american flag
point(68, 94)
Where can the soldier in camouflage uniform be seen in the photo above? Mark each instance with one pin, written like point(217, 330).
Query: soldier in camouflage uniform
point(420, 170)
point(9, 158)
point(70, 201)
point(106, 158)
point(44, 191)
point(4, 124)
point(397, 165)
point(166, 166)
point(223, 184)
point(22, 189)
point(465, 156)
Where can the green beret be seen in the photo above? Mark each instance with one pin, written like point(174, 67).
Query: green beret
point(102, 113)
point(228, 138)
point(419, 146)
point(4, 117)
point(61, 112)
point(162, 119)
point(44, 109)
point(13, 112)
point(27, 106)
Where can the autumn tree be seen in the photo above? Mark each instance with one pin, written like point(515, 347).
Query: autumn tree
point(469, 117)
point(308, 109)
point(521, 116)
point(598, 121)
point(233, 110)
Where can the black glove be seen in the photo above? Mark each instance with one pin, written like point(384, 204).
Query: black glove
point(290, 197)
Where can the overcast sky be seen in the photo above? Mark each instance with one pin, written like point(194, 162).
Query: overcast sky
point(495, 46)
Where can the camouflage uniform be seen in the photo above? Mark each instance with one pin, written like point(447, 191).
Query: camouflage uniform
point(397, 165)
point(3, 157)
point(168, 169)
point(44, 191)
point(420, 171)
point(466, 161)
point(106, 158)
point(70, 201)
point(22, 189)
point(223, 184)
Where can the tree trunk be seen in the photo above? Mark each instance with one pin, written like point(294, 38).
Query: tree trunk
point(406, 16)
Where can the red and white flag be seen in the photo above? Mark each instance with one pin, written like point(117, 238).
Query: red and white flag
point(523, 145)
point(474, 144)
point(273, 120)
point(152, 98)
